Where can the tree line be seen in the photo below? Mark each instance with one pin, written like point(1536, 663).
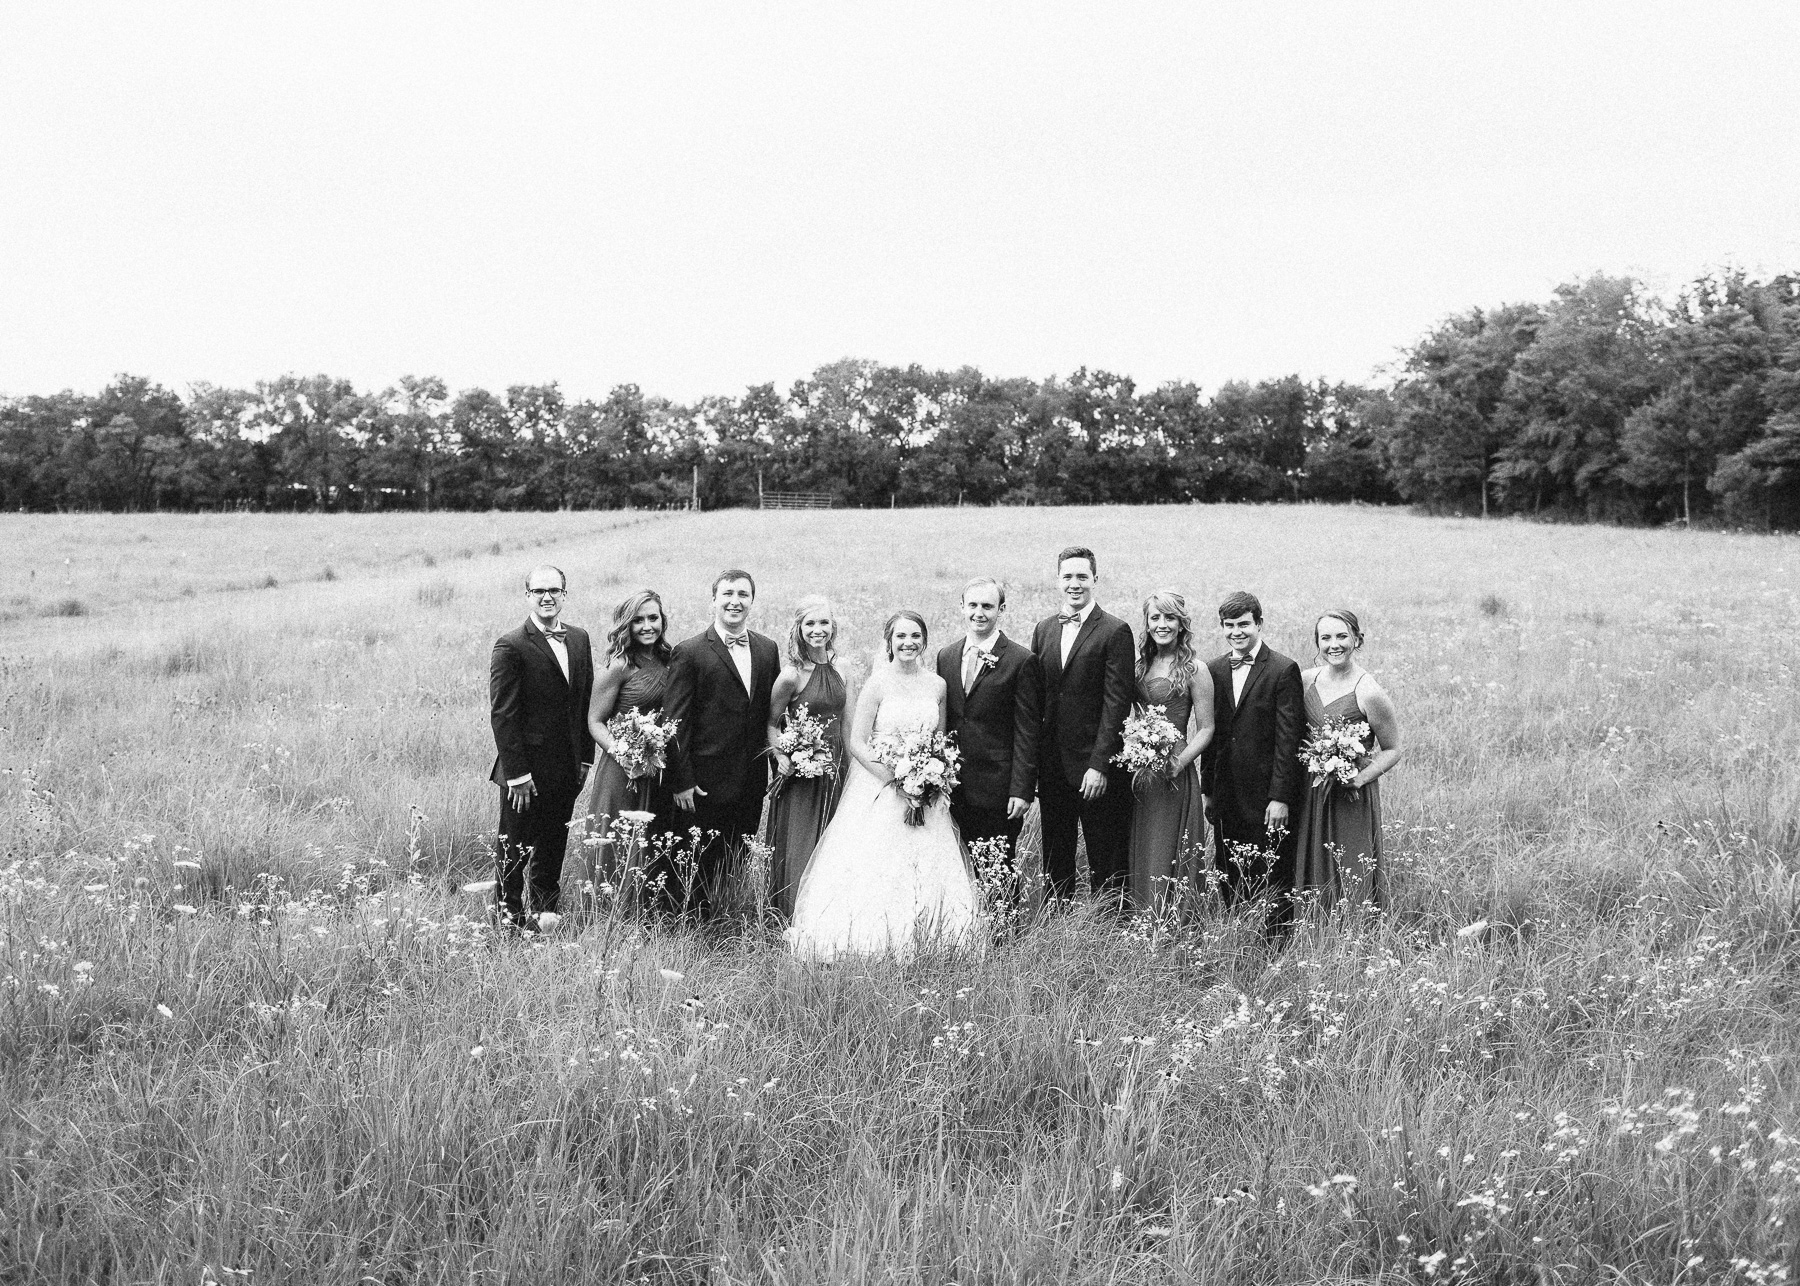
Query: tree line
point(1602, 403)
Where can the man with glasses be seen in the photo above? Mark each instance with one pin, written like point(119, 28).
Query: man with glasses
point(539, 679)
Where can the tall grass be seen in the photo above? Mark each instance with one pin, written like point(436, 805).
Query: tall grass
point(1567, 1055)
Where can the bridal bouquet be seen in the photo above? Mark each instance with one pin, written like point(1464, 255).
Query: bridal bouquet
point(639, 739)
point(1151, 745)
point(1336, 751)
point(808, 749)
point(924, 765)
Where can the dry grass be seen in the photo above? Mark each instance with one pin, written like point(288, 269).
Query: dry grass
point(1598, 792)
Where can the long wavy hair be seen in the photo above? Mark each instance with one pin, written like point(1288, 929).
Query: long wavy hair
point(906, 614)
point(1169, 603)
point(798, 654)
point(619, 643)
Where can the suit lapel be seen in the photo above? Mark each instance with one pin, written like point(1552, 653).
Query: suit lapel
point(536, 635)
point(1257, 668)
point(724, 655)
point(1082, 635)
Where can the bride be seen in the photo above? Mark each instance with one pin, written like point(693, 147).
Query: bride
point(875, 884)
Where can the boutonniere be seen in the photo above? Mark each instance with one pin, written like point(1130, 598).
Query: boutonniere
point(987, 660)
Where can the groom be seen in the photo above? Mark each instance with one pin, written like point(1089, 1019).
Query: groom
point(1250, 778)
point(991, 699)
point(539, 679)
point(1088, 675)
point(719, 686)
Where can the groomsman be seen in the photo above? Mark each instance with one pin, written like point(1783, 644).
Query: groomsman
point(719, 686)
point(1250, 777)
point(539, 679)
point(993, 691)
point(1088, 673)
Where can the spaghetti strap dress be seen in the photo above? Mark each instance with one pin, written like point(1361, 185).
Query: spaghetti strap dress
point(1168, 858)
point(804, 805)
point(1339, 850)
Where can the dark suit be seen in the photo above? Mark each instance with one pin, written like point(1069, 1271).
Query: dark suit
point(1082, 727)
point(1253, 759)
point(996, 725)
point(540, 727)
point(719, 746)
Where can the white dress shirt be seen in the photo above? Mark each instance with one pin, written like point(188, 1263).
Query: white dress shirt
point(740, 656)
point(1240, 674)
point(1072, 629)
point(971, 661)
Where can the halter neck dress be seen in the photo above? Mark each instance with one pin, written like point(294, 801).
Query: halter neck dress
point(1339, 850)
point(610, 792)
point(1168, 858)
point(804, 805)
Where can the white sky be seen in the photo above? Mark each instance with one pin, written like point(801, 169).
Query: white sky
point(700, 197)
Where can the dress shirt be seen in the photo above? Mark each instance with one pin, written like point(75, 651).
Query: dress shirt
point(1240, 674)
point(740, 656)
point(971, 661)
point(1073, 628)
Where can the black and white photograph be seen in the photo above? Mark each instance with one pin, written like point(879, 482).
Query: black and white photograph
point(952, 645)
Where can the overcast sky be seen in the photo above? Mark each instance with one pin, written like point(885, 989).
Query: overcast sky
point(696, 198)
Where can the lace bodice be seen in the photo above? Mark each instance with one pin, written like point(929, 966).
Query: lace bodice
point(909, 711)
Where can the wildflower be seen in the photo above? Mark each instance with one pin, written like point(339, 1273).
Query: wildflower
point(1117, 1181)
point(165, 1011)
point(671, 975)
point(1470, 930)
point(84, 966)
point(637, 816)
point(478, 1051)
point(548, 920)
point(185, 864)
point(184, 908)
point(480, 886)
point(93, 888)
point(140, 883)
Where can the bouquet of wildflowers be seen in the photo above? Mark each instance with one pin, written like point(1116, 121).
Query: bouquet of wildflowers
point(925, 767)
point(808, 749)
point(1151, 746)
point(1336, 751)
point(639, 739)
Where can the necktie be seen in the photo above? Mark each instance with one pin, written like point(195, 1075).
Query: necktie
point(971, 667)
point(737, 640)
point(1239, 662)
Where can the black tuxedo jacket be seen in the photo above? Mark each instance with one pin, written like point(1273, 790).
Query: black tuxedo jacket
point(1253, 757)
point(539, 717)
point(996, 724)
point(1084, 707)
point(724, 729)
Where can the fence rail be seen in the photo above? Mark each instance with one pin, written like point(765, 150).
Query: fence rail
point(796, 499)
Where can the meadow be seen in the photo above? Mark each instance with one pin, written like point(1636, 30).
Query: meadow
point(251, 1029)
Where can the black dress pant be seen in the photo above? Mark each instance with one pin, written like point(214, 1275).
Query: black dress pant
point(530, 849)
point(723, 825)
point(1251, 867)
point(1104, 822)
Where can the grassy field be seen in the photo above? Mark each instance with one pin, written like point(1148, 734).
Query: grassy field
point(250, 1031)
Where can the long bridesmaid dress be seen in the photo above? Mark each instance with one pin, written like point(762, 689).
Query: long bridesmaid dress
point(803, 808)
point(610, 792)
point(1339, 850)
point(1168, 826)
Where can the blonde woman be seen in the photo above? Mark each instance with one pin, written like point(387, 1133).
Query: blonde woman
point(803, 805)
point(1168, 828)
point(635, 675)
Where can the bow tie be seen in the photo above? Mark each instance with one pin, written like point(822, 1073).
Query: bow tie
point(1239, 662)
point(737, 640)
point(560, 633)
point(1069, 618)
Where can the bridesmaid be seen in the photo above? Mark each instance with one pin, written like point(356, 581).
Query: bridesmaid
point(810, 678)
point(635, 678)
point(1340, 826)
point(1168, 831)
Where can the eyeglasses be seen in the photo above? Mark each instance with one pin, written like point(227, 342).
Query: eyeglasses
point(545, 593)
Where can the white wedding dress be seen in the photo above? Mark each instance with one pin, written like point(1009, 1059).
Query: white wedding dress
point(874, 884)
